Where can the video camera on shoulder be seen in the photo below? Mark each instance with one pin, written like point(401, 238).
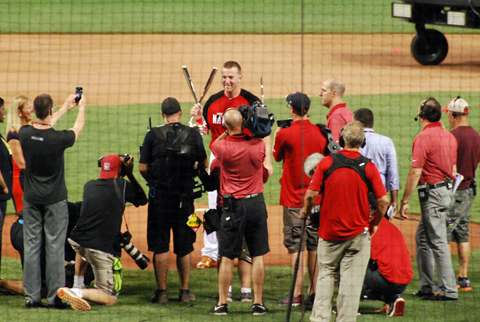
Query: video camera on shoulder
point(285, 123)
point(258, 122)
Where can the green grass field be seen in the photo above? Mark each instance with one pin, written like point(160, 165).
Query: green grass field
point(207, 16)
point(121, 129)
point(133, 303)
point(106, 132)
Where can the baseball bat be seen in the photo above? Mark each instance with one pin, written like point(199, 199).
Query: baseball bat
point(205, 90)
point(261, 86)
point(208, 84)
point(189, 82)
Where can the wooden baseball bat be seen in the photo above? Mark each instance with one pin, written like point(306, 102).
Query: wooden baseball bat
point(189, 82)
point(208, 84)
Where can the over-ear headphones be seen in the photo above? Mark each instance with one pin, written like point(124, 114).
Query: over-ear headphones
point(341, 141)
point(422, 112)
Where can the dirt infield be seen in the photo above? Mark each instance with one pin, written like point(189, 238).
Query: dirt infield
point(137, 224)
point(133, 69)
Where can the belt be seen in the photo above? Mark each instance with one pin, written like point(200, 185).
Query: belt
point(432, 186)
point(251, 196)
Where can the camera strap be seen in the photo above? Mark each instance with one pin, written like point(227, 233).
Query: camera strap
point(121, 197)
point(332, 146)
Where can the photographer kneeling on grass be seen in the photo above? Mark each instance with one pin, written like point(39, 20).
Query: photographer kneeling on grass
point(95, 237)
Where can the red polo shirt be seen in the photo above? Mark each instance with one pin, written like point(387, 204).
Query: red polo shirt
point(241, 159)
point(435, 152)
point(338, 116)
point(345, 208)
point(292, 146)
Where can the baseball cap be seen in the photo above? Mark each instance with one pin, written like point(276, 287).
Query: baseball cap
point(458, 105)
point(110, 165)
point(170, 106)
point(299, 102)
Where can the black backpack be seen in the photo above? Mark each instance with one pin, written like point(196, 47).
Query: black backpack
point(357, 164)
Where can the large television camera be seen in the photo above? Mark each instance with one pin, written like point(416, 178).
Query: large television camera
point(258, 122)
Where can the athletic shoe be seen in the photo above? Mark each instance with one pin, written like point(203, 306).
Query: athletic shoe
point(438, 298)
point(259, 309)
point(297, 301)
point(310, 301)
point(207, 262)
point(34, 305)
point(464, 284)
point(221, 309)
point(397, 307)
point(230, 297)
point(77, 303)
point(159, 297)
point(422, 294)
point(185, 296)
point(246, 297)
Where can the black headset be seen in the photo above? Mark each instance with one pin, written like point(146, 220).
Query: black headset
point(454, 114)
point(422, 112)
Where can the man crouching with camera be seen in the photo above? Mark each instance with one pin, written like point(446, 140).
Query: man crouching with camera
point(96, 234)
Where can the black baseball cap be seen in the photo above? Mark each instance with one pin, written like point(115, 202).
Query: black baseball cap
point(170, 106)
point(299, 102)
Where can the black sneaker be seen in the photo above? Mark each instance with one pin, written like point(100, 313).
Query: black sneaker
point(259, 309)
point(34, 305)
point(221, 309)
point(463, 283)
point(310, 301)
point(434, 297)
point(422, 294)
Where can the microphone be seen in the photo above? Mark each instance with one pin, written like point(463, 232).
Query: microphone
point(416, 118)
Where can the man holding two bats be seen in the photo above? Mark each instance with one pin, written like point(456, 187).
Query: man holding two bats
point(231, 96)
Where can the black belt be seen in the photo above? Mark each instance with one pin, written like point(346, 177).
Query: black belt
point(432, 186)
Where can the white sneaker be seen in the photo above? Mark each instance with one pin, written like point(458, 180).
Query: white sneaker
point(77, 303)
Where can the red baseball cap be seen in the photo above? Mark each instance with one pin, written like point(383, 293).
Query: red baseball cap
point(110, 166)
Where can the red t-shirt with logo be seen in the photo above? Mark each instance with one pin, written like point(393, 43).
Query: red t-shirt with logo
point(345, 209)
point(217, 104)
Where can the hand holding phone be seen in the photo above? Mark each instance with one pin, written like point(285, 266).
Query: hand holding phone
point(78, 92)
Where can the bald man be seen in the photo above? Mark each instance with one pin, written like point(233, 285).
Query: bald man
point(332, 98)
point(244, 210)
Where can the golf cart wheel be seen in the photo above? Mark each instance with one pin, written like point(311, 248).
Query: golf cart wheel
point(430, 48)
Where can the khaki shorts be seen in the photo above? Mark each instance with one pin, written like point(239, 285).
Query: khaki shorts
point(292, 229)
point(102, 265)
point(458, 218)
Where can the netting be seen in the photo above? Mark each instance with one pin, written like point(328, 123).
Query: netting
point(128, 57)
